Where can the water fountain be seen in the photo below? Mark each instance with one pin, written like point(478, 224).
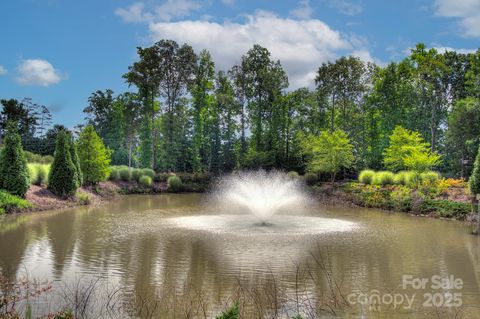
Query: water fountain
point(261, 202)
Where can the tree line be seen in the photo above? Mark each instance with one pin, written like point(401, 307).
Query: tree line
point(184, 115)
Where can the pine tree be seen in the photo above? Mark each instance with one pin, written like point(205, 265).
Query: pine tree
point(94, 156)
point(474, 181)
point(14, 176)
point(63, 179)
point(76, 162)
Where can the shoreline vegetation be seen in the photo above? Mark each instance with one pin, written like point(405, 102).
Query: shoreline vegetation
point(438, 198)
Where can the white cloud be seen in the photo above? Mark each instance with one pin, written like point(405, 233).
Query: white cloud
point(300, 45)
point(303, 11)
point(467, 11)
point(167, 11)
point(134, 13)
point(37, 72)
point(442, 49)
point(2, 70)
point(346, 7)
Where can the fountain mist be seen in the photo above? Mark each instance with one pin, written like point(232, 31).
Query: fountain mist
point(262, 193)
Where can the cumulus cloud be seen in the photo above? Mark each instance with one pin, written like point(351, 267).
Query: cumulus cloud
point(166, 11)
point(346, 7)
point(37, 72)
point(467, 11)
point(2, 70)
point(303, 11)
point(300, 45)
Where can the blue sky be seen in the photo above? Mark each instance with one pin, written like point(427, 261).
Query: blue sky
point(59, 51)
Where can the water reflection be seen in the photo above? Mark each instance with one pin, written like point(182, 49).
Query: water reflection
point(133, 244)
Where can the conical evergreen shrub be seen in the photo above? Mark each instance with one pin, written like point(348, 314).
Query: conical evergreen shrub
point(63, 179)
point(75, 160)
point(94, 156)
point(14, 177)
point(474, 181)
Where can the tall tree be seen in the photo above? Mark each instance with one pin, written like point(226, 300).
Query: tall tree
point(93, 155)
point(63, 179)
point(14, 176)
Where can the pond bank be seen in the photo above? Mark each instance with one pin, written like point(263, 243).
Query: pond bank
point(452, 205)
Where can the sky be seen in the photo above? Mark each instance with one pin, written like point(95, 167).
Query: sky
point(60, 51)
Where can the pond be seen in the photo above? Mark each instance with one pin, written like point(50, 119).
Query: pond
point(171, 254)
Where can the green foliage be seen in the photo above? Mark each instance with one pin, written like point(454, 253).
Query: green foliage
point(114, 173)
point(62, 179)
point(401, 198)
point(76, 162)
point(429, 177)
point(401, 178)
point(474, 181)
point(366, 176)
point(310, 178)
point(14, 176)
point(38, 173)
point(145, 181)
point(83, 198)
point(148, 172)
point(421, 161)
point(137, 173)
point(232, 313)
point(328, 152)
point(446, 208)
point(125, 173)
point(401, 145)
point(36, 158)
point(94, 156)
point(174, 183)
point(11, 203)
point(383, 178)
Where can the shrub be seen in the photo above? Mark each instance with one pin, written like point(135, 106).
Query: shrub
point(293, 174)
point(83, 198)
point(383, 178)
point(311, 178)
point(401, 178)
point(446, 208)
point(114, 173)
point(125, 174)
point(14, 177)
point(38, 173)
point(174, 183)
point(62, 179)
point(366, 176)
point(412, 180)
point(429, 177)
point(148, 172)
point(94, 156)
point(136, 173)
point(9, 203)
point(145, 180)
point(401, 198)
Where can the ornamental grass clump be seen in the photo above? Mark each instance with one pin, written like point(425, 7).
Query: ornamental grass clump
point(174, 183)
point(366, 176)
point(145, 181)
point(383, 178)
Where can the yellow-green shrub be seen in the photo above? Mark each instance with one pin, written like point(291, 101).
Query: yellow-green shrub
point(366, 176)
point(383, 178)
point(145, 180)
point(174, 183)
point(38, 173)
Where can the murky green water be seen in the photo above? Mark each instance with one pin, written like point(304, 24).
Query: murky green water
point(175, 252)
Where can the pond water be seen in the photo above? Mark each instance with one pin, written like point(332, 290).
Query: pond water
point(146, 255)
